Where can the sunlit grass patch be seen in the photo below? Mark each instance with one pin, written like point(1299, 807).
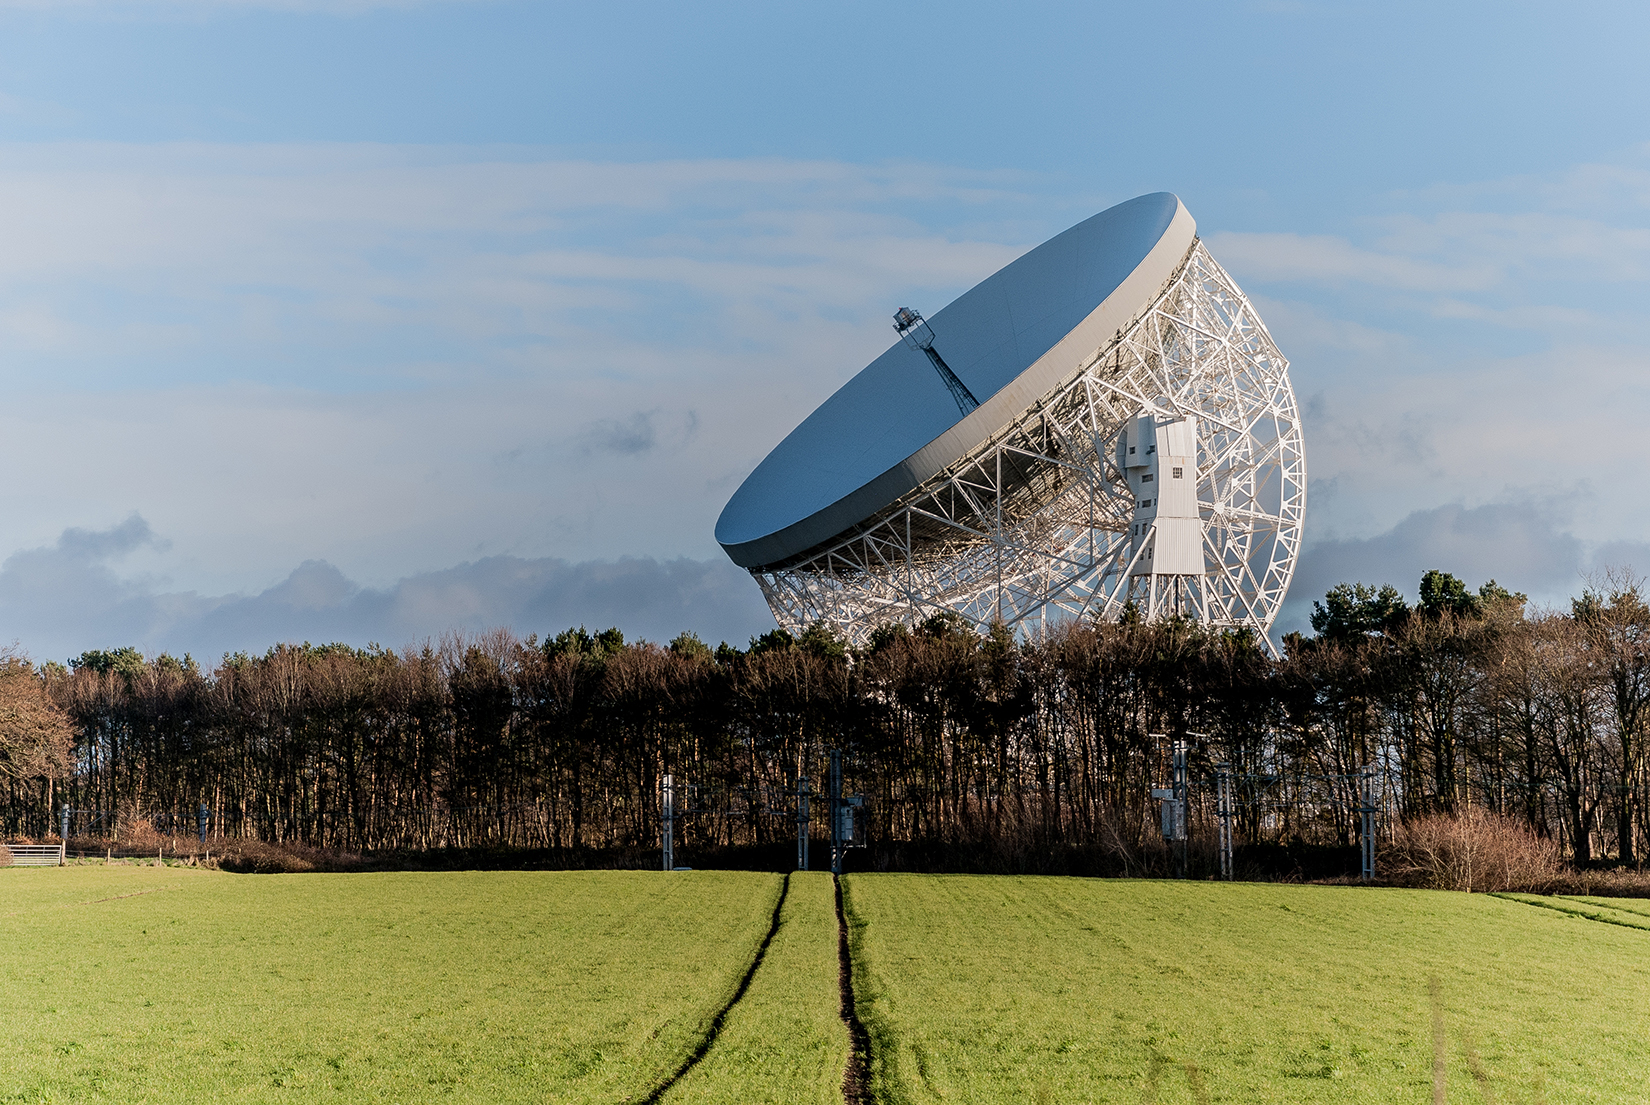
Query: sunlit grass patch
point(169, 984)
point(784, 1043)
point(1072, 990)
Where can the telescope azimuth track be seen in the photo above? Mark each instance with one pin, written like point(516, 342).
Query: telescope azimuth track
point(1161, 466)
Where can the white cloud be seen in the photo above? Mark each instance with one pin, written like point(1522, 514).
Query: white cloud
point(395, 360)
point(1322, 257)
point(1548, 244)
point(1472, 344)
point(1514, 238)
point(168, 249)
point(1313, 332)
point(398, 359)
point(1564, 420)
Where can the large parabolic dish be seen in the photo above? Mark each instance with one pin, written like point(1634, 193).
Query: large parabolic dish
point(1104, 421)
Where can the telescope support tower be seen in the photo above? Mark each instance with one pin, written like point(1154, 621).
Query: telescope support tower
point(1045, 520)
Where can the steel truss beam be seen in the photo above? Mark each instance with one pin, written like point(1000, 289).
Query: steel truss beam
point(1033, 526)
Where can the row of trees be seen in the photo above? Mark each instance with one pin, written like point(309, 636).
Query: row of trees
point(1465, 700)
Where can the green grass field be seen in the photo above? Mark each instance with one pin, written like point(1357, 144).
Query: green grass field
point(168, 984)
point(1070, 990)
point(784, 1043)
point(151, 984)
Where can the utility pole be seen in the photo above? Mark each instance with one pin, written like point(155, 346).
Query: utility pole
point(63, 838)
point(802, 826)
point(836, 811)
point(1223, 803)
point(1173, 799)
point(667, 819)
point(1180, 795)
point(1366, 808)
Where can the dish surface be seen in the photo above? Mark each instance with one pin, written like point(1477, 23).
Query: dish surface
point(1010, 339)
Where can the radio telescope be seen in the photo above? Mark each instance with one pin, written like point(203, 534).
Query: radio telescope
point(1103, 422)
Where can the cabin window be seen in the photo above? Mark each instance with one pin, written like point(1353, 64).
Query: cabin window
point(1147, 478)
point(1177, 473)
point(1131, 450)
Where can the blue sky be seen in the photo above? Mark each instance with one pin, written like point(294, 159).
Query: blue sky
point(378, 320)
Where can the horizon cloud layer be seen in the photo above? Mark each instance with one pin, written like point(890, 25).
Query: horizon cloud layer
point(63, 599)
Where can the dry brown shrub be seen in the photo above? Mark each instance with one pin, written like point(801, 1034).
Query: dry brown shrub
point(254, 857)
point(5, 856)
point(1472, 850)
point(137, 833)
point(36, 738)
point(1622, 882)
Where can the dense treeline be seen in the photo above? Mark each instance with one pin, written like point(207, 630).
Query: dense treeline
point(1465, 700)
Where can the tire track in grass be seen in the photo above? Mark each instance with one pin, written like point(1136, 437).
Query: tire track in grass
point(1575, 909)
point(721, 1017)
point(1160, 1065)
point(1475, 1065)
point(1440, 1042)
point(1596, 902)
point(856, 1079)
point(98, 901)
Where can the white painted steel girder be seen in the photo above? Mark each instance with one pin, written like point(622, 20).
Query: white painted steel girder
point(1038, 523)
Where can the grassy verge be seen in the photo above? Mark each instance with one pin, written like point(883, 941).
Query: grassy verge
point(157, 984)
point(784, 1043)
point(1061, 990)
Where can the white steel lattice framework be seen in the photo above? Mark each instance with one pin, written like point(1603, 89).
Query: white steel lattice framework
point(1034, 524)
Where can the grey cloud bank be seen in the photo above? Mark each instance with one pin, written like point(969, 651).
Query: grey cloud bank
point(1524, 546)
point(58, 601)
